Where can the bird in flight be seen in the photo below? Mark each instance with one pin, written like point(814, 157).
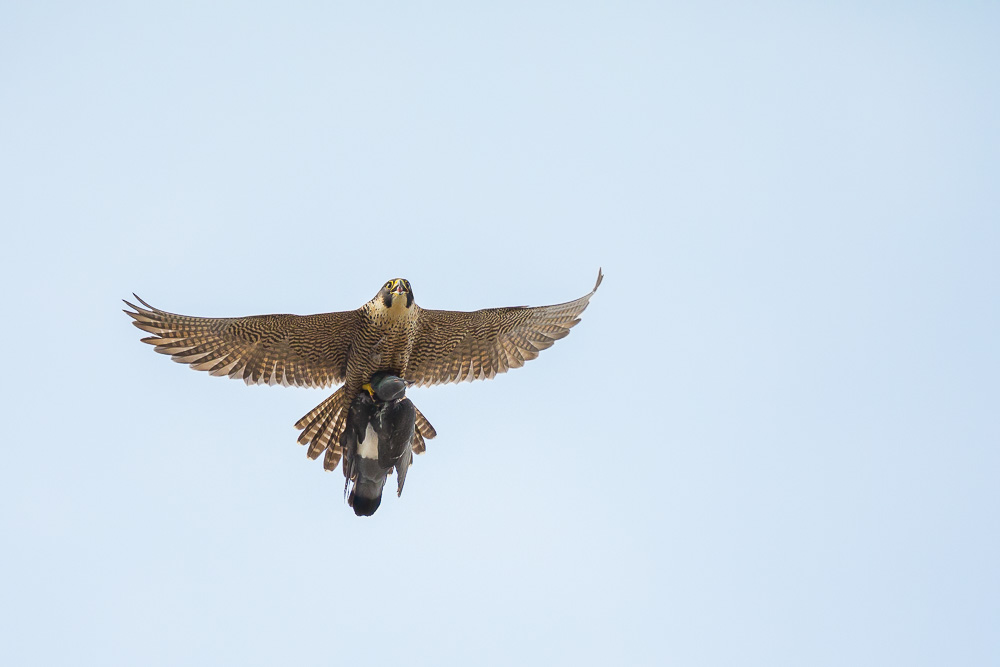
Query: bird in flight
point(390, 334)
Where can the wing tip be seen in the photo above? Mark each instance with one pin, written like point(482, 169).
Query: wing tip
point(139, 299)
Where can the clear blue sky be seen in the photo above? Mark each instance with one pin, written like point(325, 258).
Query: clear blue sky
point(773, 439)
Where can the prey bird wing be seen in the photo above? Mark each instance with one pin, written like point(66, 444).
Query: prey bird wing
point(453, 346)
point(306, 351)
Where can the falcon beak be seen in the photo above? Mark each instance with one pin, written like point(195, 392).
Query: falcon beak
point(398, 288)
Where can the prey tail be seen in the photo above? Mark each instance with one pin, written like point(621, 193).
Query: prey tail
point(366, 491)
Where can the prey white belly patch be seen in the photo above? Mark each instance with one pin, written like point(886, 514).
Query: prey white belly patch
point(369, 448)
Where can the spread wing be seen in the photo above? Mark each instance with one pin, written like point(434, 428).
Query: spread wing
point(306, 351)
point(460, 347)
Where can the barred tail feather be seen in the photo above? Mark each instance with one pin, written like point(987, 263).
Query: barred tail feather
point(417, 444)
point(322, 426)
point(424, 427)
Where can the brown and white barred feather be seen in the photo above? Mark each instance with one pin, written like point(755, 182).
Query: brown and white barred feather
point(330, 348)
point(463, 346)
point(324, 424)
point(304, 351)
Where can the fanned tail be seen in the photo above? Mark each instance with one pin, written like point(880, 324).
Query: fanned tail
point(322, 426)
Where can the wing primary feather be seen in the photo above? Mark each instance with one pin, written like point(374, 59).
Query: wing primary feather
point(453, 346)
point(307, 350)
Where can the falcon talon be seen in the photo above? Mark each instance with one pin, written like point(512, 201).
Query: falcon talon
point(376, 351)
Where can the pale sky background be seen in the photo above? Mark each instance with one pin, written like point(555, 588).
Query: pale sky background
point(773, 439)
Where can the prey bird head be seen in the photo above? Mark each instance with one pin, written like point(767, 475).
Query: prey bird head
point(396, 290)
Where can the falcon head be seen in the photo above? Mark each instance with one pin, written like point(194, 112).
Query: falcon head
point(396, 291)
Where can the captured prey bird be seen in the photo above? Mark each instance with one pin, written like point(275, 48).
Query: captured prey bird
point(389, 334)
point(381, 425)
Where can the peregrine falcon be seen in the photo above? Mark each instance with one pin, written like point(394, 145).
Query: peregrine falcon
point(389, 334)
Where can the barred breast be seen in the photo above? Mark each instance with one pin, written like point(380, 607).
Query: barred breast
point(384, 342)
